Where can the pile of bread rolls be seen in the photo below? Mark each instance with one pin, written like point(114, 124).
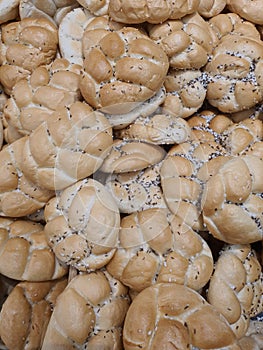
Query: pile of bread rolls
point(131, 191)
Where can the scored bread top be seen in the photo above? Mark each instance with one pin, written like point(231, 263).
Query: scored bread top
point(235, 288)
point(170, 313)
point(89, 313)
point(157, 246)
point(122, 69)
point(24, 46)
point(33, 260)
point(83, 223)
point(33, 99)
point(78, 140)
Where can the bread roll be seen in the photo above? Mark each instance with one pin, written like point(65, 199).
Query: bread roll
point(158, 128)
point(77, 140)
point(26, 312)
point(8, 10)
point(188, 42)
point(98, 8)
point(232, 203)
point(33, 100)
point(251, 10)
point(131, 155)
point(169, 315)
point(156, 246)
point(117, 81)
point(24, 46)
point(137, 190)
point(18, 195)
point(53, 10)
point(151, 11)
point(83, 223)
point(185, 92)
point(211, 8)
point(183, 173)
point(25, 254)
point(88, 314)
point(235, 288)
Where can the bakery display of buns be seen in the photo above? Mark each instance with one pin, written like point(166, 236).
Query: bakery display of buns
point(131, 157)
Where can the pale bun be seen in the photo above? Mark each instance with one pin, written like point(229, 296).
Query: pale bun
point(157, 246)
point(169, 315)
point(33, 260)
point(89, 313)
point(19, 196)
point(26, 312)
point(33, 100)
point(82, 226)
point(231, 202)
point(77, 138)
point(235, 288)
point(25, 45)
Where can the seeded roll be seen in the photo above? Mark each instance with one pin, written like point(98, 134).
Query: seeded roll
point(184, 172)
point(24, 46)
point(26, 312)
point(33, 100)
point(185, 92)
point(131, 155)
point(232, 201)
point(89, 313)
point(132, 12)
point(53, 10)
point(137, 190)
point(121, 70)
point(82, 226)
point(235, 288)
point(77, 138)
point(188, 42)
point(170, 315)
point(156, 246)
point(19, 196)
point(33, 259)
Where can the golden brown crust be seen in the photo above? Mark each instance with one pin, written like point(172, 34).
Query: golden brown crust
point(187, 318)
point(33, 259)
point(89, 313)
point(83, 224)
point(156, 246)
point(26, 312)
point(123, 78)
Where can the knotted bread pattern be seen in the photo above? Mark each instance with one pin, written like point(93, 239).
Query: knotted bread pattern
point(157, 246)
point(121, 69)
point(235, 288)
point(33, 259)
point(26, 312)
point(232, 200)
point(89, 313)
point(170, 315)
point(35, 98)
point(19, 196)
point(77, 139)
point(24, 46)
point(82, 226)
